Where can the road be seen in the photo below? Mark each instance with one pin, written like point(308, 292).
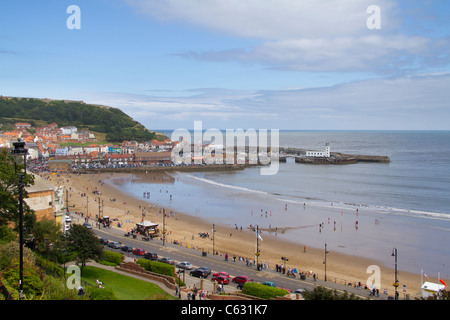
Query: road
point(218, 264)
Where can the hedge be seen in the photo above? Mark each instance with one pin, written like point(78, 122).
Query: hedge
point(262, 291)
point(157, 267)
point(113, 257)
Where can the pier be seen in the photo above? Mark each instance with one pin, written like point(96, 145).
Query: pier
point(336, 158)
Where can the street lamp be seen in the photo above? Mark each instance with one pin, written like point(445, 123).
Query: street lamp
point(325, 261)
point(394, 254)
point(257, 248)
point(164, 227)
point(213, 231)
point(19, 154)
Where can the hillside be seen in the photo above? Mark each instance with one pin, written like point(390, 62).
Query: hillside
point(114, 123)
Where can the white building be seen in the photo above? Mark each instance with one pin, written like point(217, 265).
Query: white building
point(68, 130)
point(429, 289)
point(320, 154)
point(62, 151)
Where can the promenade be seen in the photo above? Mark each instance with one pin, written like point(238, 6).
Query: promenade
point(217, 264)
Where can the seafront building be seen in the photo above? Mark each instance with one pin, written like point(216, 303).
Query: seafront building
point(320, 154)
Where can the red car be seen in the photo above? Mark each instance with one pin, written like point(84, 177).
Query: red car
point(139, 251)
point(242, 279)
point(221, 279)
point(222, 274)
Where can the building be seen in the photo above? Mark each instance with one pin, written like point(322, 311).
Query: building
point(119, 159)
point(320, 154)
point(45, 199)
point(68, 130)
point(22, 126)
point(60, 165)
point(430, 289)
point(149, 158)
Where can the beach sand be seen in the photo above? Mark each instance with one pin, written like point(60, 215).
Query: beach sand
point(341, 268)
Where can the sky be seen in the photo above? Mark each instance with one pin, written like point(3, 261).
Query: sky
point(236, 64)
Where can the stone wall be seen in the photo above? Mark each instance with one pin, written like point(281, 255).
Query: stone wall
point(136, 269)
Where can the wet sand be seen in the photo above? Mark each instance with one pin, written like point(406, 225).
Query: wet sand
point(184, 228)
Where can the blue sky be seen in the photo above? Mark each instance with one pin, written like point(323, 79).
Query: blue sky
point(262, 64)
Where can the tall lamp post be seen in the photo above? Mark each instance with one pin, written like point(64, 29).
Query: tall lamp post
point(258, 253)
point(164, 227)
point(325, 261)
point(394, 254)
point(214, 231)
point(20, 158)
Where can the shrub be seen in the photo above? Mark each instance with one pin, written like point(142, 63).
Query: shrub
point(262, 291)
point(321, 293)
point(56, 289)
point(11, 252)
point(113, 257)
point(32, 284)
point(49, 267)
point(101, 293)
point(157, 267)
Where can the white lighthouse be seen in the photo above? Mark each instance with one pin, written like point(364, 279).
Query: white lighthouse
point(320, 154)
point(327, 150)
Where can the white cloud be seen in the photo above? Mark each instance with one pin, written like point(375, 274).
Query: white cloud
point(307, 35)
point(420, 102)
point(356, 54)
point(269, 19)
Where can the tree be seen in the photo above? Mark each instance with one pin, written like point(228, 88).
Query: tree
point(84, 243)
point(47, 236)
point(9, 193)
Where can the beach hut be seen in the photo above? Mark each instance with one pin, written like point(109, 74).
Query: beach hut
point(429, 289)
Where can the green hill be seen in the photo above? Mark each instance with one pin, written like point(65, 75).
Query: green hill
point(114, 123)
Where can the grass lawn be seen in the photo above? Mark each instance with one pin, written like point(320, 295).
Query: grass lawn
point(125, 287)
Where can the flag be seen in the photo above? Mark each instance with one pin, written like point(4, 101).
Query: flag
point(259, 236)
point(442, 281)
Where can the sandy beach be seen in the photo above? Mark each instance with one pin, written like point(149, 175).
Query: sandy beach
point(185, 229)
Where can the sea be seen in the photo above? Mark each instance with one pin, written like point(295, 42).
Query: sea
point(364, 209)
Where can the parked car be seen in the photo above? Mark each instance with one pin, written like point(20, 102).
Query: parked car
point(151, 256)
point(269, 283)
point(300, 291)
point(242, 279)
point(185, 265)
point(114, 244)
point(139, 251)
point(104, 241)
point(166, 260)
point(221, 279)
point(202, 272)
point(87, 225)
point(222, 274)
point(126, 248)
